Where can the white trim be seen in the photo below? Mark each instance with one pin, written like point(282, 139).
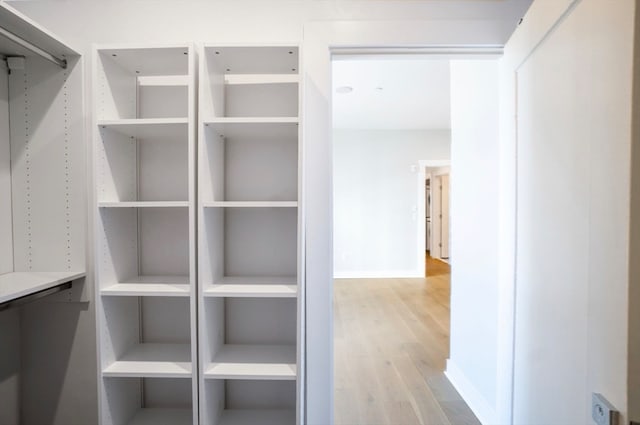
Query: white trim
point(477, 403)
point(379, 274)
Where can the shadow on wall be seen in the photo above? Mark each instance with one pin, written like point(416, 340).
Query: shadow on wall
point(48, 331)
point(10, 366)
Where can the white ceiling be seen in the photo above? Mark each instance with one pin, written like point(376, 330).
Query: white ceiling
point(413, 94)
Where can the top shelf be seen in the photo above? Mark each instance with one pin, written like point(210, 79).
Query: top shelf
point(252, 59)
point(141, 61)
point(21, 284)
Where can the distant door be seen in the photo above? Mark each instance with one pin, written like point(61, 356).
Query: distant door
point(444, 216)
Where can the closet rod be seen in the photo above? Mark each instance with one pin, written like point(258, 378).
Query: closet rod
point(35, 296)
point(33, 48)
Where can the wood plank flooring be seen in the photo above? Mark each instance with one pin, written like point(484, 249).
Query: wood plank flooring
point(391, 344)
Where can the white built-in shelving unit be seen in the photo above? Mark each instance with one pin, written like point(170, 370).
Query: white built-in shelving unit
point(249, 250)
point(42, 157)
point(144, 165)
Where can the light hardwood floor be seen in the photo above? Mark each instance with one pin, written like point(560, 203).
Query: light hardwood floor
point(391, 343)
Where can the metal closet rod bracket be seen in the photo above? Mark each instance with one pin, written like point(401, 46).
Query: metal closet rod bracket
point(60, 61)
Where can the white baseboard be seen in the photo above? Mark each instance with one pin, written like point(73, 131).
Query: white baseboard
point(378, 274)
point(486, 414)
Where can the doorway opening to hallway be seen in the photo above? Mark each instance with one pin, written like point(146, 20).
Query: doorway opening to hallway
point(392, 135)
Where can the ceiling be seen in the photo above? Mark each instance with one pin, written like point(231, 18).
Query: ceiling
point(391, 94)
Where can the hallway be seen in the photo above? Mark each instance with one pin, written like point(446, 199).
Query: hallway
point(391, 344)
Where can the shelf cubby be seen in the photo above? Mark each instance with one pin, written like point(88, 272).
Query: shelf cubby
point(249, 402)
point(142, 162)
point(239, 84)
point(238, 255)
point(147, 337)
point(147, 401)
point(250, 162)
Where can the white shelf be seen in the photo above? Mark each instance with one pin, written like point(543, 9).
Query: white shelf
point(253, 287)
point(265, 128)
point(147, 60)
point(150, 286)
point(153, 361)
point(20, 284)
point(272, 362)
point(144, 204)
point(258, 416)
point(252, 120)
point(250, 204)
point(148, 128)
point(162, 417)
point(255, 59)
point(163, 81)
point(241, 79)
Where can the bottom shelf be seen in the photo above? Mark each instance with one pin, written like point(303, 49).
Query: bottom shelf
point(261, 416)
point(162, 417)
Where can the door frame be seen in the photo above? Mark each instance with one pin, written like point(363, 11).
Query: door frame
point(321, 40)
point(422, 228)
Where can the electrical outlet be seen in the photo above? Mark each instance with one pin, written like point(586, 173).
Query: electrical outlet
point(602, 412)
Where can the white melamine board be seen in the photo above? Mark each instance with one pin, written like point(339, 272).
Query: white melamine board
point(259, 320)
point(259, 394)
point(163, 241)
point(251, 204)
point(23, 27)
point(116, 167)
point(147, 290)
point(251, 79)
point(115, 91)
point(117, 245)
point(165, 320)
point(144, 204)
point(261, 100)
point(48, 166)
point(163, 170)
point(19, 284)
point(261, 416)
point(150, 286)
point(149, 128)
point(256, 171)
point(273, 362)
point(163, 101)
point(152, 360)
point(263, 127)
point(160, 416)
point(121, 327)
point(172, 393)
point(143, 60)
point(253, 287)
point(163, 80)
point(253, 59)
point(124, 398)
point(250, 235)
point(6, 241)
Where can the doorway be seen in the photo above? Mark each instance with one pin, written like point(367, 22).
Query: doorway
point(391, 324)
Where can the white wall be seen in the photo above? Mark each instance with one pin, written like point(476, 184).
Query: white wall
point(572, 205)
point(376, 222)
point(474, 234)
point(325, 24)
